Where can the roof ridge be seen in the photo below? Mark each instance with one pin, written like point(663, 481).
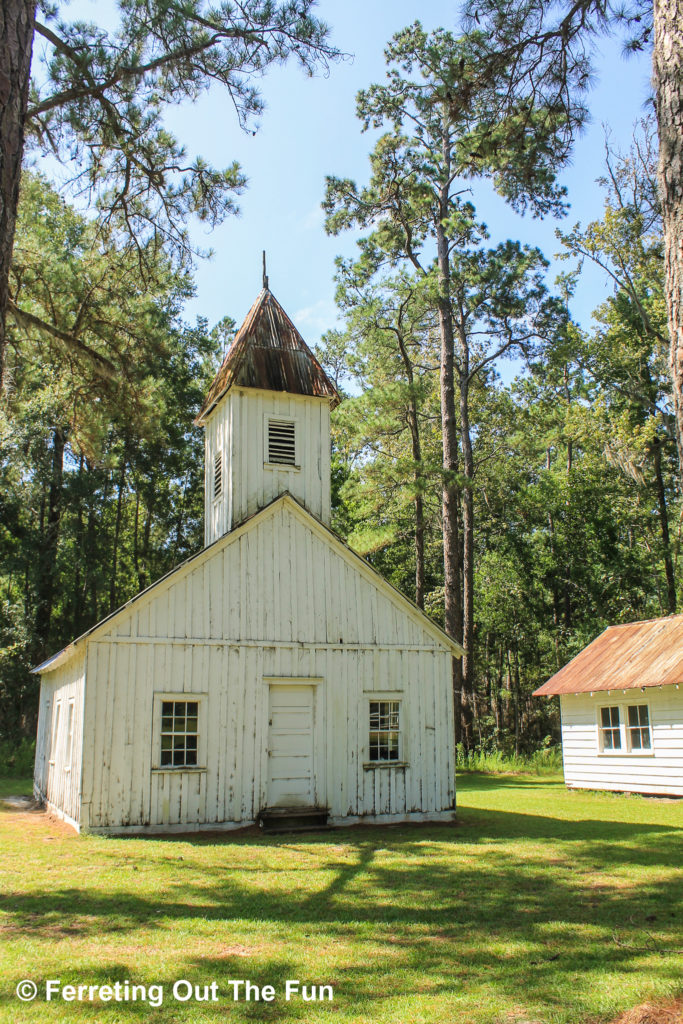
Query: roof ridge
point(642, 622)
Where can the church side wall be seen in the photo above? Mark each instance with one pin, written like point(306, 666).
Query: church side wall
point(659, 770)
point(231, 683)
point(59, 741)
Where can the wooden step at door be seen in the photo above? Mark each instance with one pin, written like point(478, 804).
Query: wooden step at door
point(293, 819)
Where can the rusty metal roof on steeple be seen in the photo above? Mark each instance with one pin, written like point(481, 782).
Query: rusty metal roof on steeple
point(269, 353)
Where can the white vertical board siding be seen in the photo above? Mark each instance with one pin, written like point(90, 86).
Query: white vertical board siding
point(278, 599)
point(659, 772)
point(233, 685)
point(57, 776)
point(236, 427)
point(281, 578)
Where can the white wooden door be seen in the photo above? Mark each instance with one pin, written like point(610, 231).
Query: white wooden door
point(291, 769)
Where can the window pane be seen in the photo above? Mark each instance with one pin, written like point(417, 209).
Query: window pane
point(166, 742)
point(166, 757)
point(384, 730)
point(616, 735)
point(637, 715)
point(167, 707)
point(605, 717)
point(645, 735)
point(192, 708)
point(635, 739)
point(607, 740)
point(191, 725)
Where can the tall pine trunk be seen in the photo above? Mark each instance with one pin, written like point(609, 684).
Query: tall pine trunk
point(467, 542)
point(418, 475)
point(668, 83)
point(451, 491)
point(47, 553)
point(113, 590)
point(17, 18)
point(664, 527)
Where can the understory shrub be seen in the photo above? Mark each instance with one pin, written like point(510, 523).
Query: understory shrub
point(16, 759)
point(547, 761)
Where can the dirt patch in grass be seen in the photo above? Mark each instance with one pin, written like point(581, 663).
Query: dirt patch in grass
point(653, 1013)
point(32, 819)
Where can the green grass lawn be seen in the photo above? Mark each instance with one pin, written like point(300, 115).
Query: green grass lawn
point(539, 905)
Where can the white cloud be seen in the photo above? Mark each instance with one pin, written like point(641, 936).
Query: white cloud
point(314, 219)
point(321, 316)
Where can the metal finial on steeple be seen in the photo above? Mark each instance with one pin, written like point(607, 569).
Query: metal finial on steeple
point(265, 276)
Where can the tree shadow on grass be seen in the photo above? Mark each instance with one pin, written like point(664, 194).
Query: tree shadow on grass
point(522, 906)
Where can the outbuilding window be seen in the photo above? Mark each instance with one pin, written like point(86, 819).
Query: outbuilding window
point(179, 733)
point(610, 733)
point(385, 730)
point(638, 727)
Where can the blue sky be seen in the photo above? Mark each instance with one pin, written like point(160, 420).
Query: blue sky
point(309, 130)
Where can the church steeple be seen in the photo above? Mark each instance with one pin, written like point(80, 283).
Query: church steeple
point(267, 422)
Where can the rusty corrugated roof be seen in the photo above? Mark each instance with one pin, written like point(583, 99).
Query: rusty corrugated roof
point(623, 658)
point(268, 352)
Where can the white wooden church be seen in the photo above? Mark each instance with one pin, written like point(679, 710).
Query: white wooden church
point(274, 672)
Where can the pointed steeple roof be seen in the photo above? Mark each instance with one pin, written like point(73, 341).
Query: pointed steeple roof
point(269, 353)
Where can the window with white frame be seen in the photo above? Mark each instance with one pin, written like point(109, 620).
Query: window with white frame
point(610, 731)
point(638, 727)
point(69, 736)
point(281, 442)
point(56, 714)
point(218, 474)
point(179, 733)
point(385, 730)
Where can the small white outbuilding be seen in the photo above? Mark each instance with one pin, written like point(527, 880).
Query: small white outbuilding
point(275, 673)
point(621, 704)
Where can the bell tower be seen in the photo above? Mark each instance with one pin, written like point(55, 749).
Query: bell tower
point(266, 423)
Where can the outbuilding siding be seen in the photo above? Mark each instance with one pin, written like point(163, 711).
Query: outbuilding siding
point(659, 772)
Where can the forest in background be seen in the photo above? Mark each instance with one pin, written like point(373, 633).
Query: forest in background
point(514, 474)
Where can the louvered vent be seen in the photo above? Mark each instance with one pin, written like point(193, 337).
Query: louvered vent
point(281, 442)
point(218, 474)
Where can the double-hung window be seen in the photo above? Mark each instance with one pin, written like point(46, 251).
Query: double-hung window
point(179, 733)
point(610, 730)
point(638, 727)
point(385, 730)
point(624, 729)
